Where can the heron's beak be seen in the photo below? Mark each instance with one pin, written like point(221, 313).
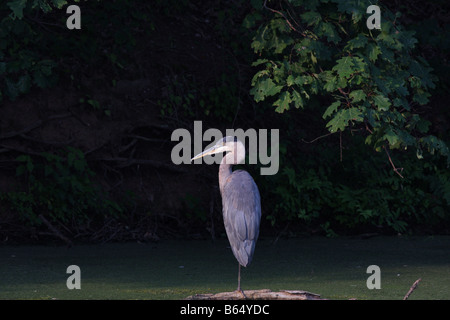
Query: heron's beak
point(213, 150)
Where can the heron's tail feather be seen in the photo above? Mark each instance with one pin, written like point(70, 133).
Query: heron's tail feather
point(244, 253)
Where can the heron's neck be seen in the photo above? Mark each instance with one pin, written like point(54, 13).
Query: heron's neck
point(235, 157)
point(224, 173)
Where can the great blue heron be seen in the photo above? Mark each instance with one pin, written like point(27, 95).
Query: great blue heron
point(241, 203)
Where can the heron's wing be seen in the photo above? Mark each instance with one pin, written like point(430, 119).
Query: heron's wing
point(242, 214)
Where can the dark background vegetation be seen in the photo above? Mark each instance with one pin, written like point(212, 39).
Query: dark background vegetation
point(86, 118)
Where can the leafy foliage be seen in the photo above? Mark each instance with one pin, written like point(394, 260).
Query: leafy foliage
point(334, 196)
point(18, 6)
point(22, 62)
point(370, 86)
point(60, 187)
point(36, 48)
point(184, 98)
point(317, 66)
point(371, 81)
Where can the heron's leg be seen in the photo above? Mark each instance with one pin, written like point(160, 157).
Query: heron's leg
point(239, 278)
point(239, 283)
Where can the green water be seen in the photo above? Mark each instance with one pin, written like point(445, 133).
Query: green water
point(333, 268)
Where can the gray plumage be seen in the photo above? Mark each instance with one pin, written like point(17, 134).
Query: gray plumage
point(241, 208)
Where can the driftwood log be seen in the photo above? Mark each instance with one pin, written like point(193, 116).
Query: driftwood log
point(263, 294)
point(267, 294)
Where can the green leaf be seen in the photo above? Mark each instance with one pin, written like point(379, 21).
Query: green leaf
point(396, 84)
point(17, 7)
point(320, 49)
point(338, 122)
point(386, 53)
point(392, 138)
point(407, 38)
point(358, 42)
point(342, 117)
point(355, 8)
point(386, 37)
point(297, 99)
point(357, 95)
point(331, 84)
point(311, 17)
point(330, 32)
point(354, 114)
point(258, 62)
point(423, 125)
point(359, 64)
point(259, 42)
point(313, 58)
point(422, 72)
point(251, 19)
point(344, 67)
point(301, 80)
point(421, 97)
point(406, 138)
point(331, 109)
point(381, 102)
point(279, 43)
point(283, 102)
point(264, 88)
point(434, 144)
point(59, 3)
point(373, 51)
point(272, 89)
point(401, 102)
point(290, 80)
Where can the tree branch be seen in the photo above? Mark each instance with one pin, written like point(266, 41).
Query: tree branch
point(280, 13)
point(413, 287)
point(33, 126)
point(55, 231)
point(396, 170)
point(320, 137)
point(126, 162)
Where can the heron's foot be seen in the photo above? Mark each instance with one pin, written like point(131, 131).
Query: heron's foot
point(241, 292)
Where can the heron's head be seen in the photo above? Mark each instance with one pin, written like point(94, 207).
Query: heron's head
point(228, 144)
